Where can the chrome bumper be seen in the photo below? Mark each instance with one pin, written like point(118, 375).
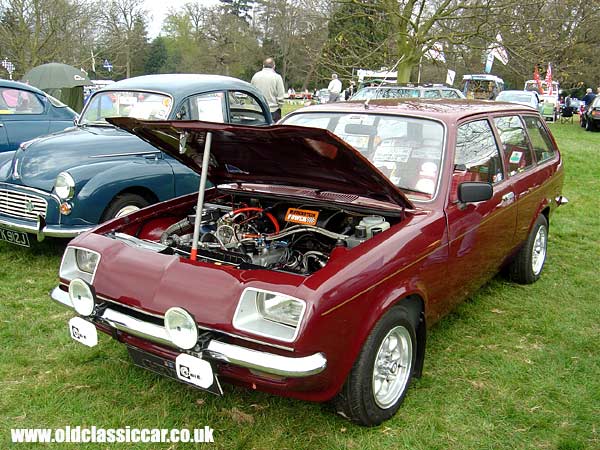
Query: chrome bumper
point(41, 230)
point(236, 355)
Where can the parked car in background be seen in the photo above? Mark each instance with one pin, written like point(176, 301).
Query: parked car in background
point(387, 91)
point(27, 112)
point(66, 183)
point(482, 86)
point(327, 246)
point(527, 98)
point(590, 117)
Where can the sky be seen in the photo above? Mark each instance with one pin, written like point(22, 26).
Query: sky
point(159, 9)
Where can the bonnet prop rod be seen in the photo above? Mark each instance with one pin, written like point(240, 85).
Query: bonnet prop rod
point(201, 190)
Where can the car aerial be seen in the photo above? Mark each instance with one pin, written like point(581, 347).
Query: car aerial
point(590, 117)
point(527, 98)
point(325, 247)
point(63, 184)
point(27, 112)
point(426, 91)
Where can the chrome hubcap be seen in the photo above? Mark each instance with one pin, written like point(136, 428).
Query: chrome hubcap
point(392, 367)
point(126, 210)
point(538, 253)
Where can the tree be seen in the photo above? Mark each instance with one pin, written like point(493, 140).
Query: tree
point(156, 57)
point(239, 8)
point(125, 35)
point(294, 32)
point(398, 34)
point(34, 32)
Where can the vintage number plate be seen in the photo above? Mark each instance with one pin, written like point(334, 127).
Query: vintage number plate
point(14, 237)
point(194, 370)
point(83, 331)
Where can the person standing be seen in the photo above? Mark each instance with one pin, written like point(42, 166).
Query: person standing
point(334, 88)
point(270, 84)
point(588, 97)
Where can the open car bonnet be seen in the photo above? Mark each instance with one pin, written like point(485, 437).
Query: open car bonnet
point(277, 155)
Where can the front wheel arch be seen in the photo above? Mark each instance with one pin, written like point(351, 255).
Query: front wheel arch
point(143, 192)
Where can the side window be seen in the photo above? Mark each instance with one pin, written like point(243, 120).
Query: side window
point(15, 101)
point(447, 93)
point(477, 157)
point(515, 145)
point(431, 93)
point(209, 107)
point(244, 109)
point(540, 141)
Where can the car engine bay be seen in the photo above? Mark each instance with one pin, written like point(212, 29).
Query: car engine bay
point(257, 233)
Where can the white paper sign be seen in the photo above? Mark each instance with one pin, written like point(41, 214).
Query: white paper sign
point(194, 370)
point(83, 331)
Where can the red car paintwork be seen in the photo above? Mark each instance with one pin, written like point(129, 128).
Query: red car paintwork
point(439, 253)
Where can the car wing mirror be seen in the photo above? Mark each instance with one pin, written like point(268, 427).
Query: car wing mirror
point(474, 191)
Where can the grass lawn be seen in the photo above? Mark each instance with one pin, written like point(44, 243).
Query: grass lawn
point(515, 367)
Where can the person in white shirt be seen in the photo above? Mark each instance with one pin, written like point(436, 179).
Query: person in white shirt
point(334, 88)
point(270, 84)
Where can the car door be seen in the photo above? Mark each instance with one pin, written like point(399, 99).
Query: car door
point(24, 116)
point(480, 234)
point(519, 161)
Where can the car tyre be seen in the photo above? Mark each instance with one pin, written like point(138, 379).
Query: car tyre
point(589, 125)
point(527, 266)
point(381, 375)
point(124, 204)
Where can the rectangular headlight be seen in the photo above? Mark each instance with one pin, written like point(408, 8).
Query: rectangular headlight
point(269, 314)
point(79, 263)
point(86, 260)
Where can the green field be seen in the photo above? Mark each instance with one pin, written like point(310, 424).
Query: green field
point(515, 367)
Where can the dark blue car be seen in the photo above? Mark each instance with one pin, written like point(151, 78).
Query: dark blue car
point(26, 113)
point(63, 184)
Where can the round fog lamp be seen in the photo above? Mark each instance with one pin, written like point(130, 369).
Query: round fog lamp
point(181, 328)
point(82, 297)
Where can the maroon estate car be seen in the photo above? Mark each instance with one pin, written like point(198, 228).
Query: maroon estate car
point(328, 244)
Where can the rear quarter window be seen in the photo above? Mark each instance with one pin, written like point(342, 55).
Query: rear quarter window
point(543, 147)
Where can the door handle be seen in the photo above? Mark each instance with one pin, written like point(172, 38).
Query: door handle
point(507, 199)
point(1, 125)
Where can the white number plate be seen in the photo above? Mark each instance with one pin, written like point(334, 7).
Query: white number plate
point(194, 370)
point(83, 331)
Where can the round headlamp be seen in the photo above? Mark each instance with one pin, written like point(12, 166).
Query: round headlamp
point(64, 186)
point(181, 328)
point(82, 297)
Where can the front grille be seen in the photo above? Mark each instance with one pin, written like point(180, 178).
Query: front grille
point(22, 205)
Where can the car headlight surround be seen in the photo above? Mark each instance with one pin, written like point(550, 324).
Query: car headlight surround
point(79, 262)
point(269, 314)
point(82, 297)
point(64, 186)
point(181, 328)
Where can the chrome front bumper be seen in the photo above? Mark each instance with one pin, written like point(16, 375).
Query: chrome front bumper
point(41, 230)
point(236, 355)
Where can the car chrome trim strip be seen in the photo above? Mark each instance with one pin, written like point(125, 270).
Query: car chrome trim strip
point(44, 230)
point(267, 362)
point(293, 367)
point(115, 155)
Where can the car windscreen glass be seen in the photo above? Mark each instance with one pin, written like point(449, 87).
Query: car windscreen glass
point(140, 105)
point(406, 150)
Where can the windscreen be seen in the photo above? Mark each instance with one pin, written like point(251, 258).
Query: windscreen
point(406, 150)
point(140, 105)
